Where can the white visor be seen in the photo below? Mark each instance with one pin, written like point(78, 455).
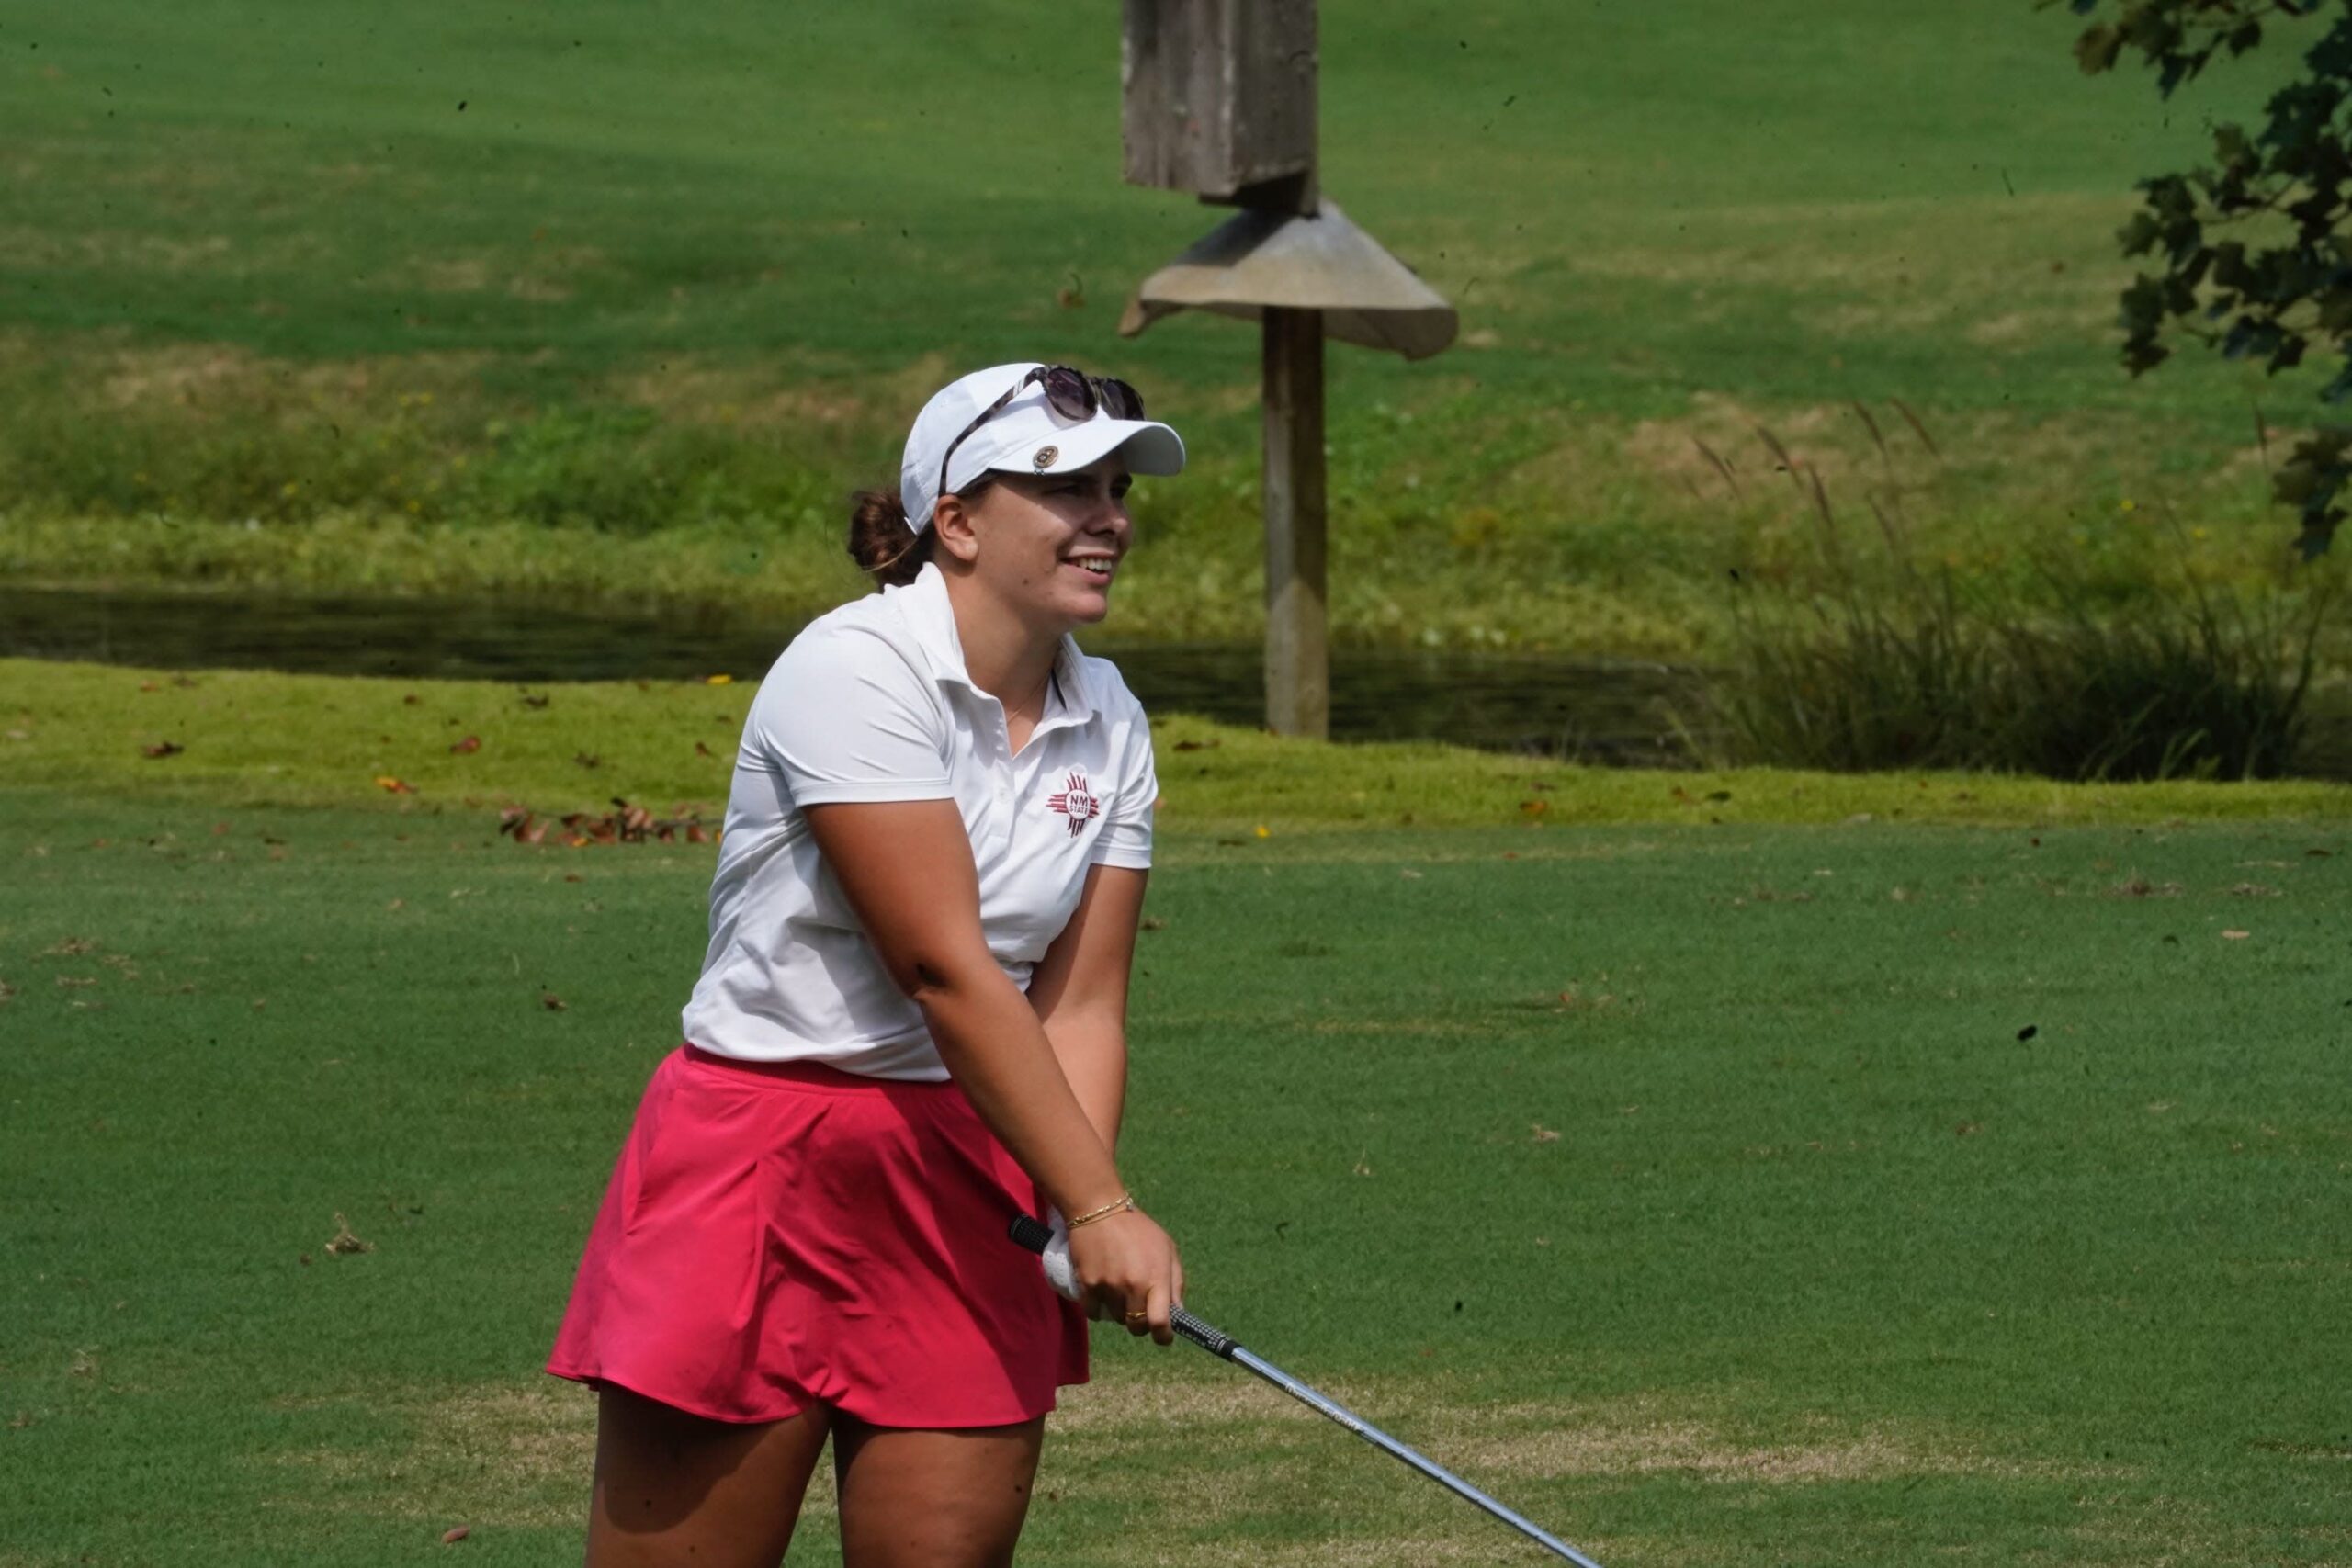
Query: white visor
point(1026, 437)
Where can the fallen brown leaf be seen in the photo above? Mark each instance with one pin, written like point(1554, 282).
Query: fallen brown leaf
point(451, 1537)
point(703, 750)
point(344, 1242)
point(587, 760)
point(553, 1002)
point(626, 824)
point(410, 700)
point(391, 785)
point(1545, 1134)
point(469, 744)
point(2235, 936)
point(163, 748)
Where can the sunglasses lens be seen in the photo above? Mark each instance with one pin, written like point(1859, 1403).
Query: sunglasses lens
point(1123, 401)
point(1068, 394)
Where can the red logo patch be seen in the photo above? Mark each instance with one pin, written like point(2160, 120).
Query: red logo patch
point(1077, 802)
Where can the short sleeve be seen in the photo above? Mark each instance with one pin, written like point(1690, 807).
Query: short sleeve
point(844, 715)
point(1125, 838)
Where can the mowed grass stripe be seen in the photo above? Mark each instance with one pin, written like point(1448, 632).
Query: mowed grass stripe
point(1823, 1263)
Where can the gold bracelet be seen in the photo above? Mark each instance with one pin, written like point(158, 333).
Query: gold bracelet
point(1125, 1202)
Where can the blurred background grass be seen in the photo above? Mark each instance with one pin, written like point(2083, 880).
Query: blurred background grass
point(320, 297)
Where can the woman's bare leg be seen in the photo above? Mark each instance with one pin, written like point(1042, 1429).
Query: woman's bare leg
point(932, 1499)
point(674, 1489)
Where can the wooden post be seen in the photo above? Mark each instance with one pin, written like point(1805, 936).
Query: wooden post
point(1298, 669)
point(1217, 96)
point(1219, 99)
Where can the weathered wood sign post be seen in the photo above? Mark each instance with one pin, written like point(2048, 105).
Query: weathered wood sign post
point(1219, 100)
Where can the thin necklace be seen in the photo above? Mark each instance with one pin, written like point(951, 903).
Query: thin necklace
point(1022, 711)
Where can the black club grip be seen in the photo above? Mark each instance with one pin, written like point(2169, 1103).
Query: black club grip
point(1033, 1233)
point(1208, 1337)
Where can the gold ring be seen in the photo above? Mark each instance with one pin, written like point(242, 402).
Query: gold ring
point(1137, 1316)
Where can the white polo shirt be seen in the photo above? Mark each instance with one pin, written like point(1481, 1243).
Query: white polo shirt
point(871, 703)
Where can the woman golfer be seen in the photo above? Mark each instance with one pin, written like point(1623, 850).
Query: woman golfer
point(910, 1026)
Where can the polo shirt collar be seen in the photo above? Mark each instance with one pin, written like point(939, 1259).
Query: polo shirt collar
point(1069, 696)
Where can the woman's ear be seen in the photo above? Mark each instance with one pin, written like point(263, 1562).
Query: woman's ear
point(950, 524)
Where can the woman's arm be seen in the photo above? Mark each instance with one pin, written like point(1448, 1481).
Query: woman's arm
point(1079, 993)
point(907, 869)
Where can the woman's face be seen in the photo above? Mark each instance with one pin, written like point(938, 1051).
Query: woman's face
point(1048, 546)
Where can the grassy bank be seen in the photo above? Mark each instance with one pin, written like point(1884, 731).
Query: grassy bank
point(471, 748)
point(620, 310)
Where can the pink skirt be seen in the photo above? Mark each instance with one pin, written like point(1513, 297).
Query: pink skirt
point(782, 1235)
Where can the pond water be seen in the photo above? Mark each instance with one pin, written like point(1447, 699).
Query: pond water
point(1613, 712)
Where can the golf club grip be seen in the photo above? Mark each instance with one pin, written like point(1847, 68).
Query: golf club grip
point(1208, 1337)
point(1037, 1236)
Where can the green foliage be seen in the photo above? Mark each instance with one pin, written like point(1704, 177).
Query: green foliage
point(2255, 247)
point(1874, 659)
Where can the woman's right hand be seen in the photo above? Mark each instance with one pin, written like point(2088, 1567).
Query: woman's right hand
point(1128, 1272)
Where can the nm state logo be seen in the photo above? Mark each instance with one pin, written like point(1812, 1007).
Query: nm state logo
point(1076, 802)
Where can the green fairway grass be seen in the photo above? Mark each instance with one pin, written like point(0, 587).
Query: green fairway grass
point(304, 297)
point(1743, 1195)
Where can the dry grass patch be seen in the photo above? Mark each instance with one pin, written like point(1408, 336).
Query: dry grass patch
point(1159, 1407)
point(1648, 1435)
point(495, 1454)
point(229, 379)
point(1642, 1435)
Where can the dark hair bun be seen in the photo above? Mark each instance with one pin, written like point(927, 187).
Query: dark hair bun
point(881, 544)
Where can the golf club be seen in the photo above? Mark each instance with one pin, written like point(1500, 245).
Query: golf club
point(1053, 1245)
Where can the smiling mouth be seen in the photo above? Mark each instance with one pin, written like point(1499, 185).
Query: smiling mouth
point(1099, 566)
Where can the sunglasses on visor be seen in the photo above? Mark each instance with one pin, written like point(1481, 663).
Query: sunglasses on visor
point(1073, 394)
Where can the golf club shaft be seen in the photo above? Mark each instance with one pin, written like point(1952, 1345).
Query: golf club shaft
point(1241, 1357)
point(1217, 1342)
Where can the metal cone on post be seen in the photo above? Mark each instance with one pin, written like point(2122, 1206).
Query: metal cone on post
point(1220, 100)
